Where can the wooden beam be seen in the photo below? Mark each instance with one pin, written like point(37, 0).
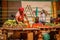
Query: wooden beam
point(4, 10)
point(54, 9)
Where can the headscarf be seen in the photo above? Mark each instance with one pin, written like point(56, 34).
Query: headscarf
point(21, 9)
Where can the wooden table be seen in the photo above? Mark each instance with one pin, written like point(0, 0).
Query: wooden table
point(29, 31)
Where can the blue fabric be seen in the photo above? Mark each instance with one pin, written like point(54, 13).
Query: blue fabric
point(46, 36)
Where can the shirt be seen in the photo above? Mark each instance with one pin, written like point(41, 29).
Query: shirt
point(43, 17)
point(19, 17)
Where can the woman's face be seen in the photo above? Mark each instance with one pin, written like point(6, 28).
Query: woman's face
point(21, 12)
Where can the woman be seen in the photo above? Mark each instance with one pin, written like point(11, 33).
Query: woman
point(20, 15)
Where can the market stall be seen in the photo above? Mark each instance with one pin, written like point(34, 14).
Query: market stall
point(29, 32)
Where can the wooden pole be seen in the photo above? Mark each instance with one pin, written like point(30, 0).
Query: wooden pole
point(54, 9)
point(4, 10)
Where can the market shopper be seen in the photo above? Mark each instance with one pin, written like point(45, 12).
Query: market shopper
point(45, 34)
point(20, 15)
point(43, 15)
point(52, 20)
point(52, 35)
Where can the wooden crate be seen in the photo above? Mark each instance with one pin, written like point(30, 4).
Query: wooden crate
point(30, 36)
point(57, 36)
point(4, 37)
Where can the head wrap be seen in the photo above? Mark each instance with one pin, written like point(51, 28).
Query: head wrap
point(21, 9)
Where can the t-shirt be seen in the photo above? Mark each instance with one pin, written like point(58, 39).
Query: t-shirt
point(43, 17)
point(37, 25)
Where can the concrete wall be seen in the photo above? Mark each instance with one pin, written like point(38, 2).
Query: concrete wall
point(13, 7)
